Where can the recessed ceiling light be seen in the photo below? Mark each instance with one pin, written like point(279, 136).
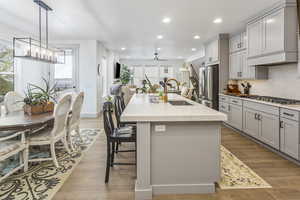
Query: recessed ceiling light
point(158, 49)
point(123, 48)
point(218, 20)
point(166, 20)
point(194, 49)
point(196, 37)
point(160, 37)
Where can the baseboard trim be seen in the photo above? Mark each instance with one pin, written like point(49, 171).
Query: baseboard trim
point(263, 144)
point(207, 188)
point(143, 194)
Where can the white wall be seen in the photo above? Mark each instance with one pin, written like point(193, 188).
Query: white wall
point(90, 54)
point(283, 82)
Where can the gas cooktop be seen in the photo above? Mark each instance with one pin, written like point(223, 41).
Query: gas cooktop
point(274, 99)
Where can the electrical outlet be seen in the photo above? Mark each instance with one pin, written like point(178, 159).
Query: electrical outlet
point(160, 128)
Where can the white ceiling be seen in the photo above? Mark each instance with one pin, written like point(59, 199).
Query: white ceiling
point(134, 24)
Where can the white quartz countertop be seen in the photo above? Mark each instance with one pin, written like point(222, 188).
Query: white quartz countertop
point(140, 109)
point(291, 107)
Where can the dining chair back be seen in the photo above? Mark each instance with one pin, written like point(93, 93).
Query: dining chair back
point(61, 113)
point(76, 108)
point(118, 110)
point(13, 102)
point(74, 118)
point(107, 119)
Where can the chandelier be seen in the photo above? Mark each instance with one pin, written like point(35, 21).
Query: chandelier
point(33, 49)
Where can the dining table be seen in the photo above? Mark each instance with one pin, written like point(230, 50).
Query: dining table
point(19, 121)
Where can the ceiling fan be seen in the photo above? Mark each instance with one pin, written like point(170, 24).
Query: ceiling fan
point(156, 57)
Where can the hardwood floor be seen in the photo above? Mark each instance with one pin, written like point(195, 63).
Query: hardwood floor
point(87, 180)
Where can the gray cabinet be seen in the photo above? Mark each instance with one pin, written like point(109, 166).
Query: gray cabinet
point(272, 36)
point(235, 116)
point(289, 133)
point(262, 124)
point(269, 129)
point(238, 42)
point(240, 70)
point(212, 52)
point(250, 123)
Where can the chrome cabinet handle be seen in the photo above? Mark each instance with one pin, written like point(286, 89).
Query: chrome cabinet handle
point(255, 116)
point(259, 117)
point(281, 124)
point(288, 114)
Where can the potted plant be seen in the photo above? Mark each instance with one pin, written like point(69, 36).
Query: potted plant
point(125, 75)
point(39, 100)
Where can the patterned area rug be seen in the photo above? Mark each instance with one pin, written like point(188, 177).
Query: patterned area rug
point(236, 175)
point(43, 180)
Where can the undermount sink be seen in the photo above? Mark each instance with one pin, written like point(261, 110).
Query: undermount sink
point(180, 103)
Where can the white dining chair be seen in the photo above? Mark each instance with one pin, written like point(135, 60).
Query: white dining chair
point(14, 145)
point(13, 102)
point(53, 135)
point(74, 118)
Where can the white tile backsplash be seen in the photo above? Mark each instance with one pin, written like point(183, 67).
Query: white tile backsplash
point(283, 82)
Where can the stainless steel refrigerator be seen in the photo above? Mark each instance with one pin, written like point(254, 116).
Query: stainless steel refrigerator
point(209, 86)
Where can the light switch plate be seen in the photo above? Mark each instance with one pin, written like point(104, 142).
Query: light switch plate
point(160, 128)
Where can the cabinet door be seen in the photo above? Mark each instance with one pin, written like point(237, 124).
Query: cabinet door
point(245, 69)
point(254, 31)
point(234, 43)
point(208, 53)
point(235, 65)
point(289, 137)
point(269, 129)
point(250, 123)
point(215, 50)
point(236, 116)
point(273, 40)
point(244, 40)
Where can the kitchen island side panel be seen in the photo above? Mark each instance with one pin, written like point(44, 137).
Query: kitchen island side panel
point(185, 155)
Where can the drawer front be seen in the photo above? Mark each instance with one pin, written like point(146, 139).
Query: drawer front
point(224, 107)
point(236, 101)
point(289, 114)
point(224, 99)
point(261, 107)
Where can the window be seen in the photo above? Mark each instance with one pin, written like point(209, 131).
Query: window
point(155, 73)
point(64, 74)
point(6, 70)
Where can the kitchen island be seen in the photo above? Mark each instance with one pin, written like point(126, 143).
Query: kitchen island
point(178, 145)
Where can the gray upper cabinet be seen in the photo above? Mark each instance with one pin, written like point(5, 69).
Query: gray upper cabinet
point(240, 70)
point(212, 52)
point(272, 35)
point(254, 31)
point(238, 42)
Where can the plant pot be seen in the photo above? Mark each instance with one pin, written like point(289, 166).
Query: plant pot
point(48, 107)
point(39, 109)
point(33, 109)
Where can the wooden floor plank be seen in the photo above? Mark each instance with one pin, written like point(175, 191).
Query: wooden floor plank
point(87, 180)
